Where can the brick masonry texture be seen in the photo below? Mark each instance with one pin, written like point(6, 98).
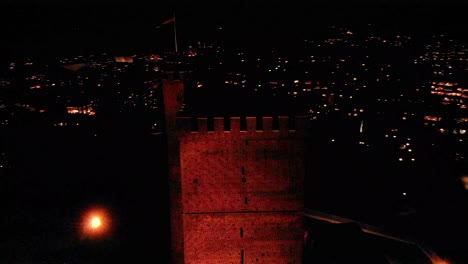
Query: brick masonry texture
point(236, 195)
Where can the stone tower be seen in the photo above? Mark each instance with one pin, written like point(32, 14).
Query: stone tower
point(236, 186)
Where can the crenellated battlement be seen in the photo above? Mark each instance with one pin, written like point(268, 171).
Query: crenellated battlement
point(243, 124)
point(174, 75)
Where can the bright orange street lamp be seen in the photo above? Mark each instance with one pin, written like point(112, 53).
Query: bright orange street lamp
point(96, 223)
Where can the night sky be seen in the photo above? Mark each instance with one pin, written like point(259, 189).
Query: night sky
point(48, 28)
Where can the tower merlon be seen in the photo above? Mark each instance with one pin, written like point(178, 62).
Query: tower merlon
point(267, 122)
point(251, 123)
point(219, 124)
point(235, 122)
point(283, 122)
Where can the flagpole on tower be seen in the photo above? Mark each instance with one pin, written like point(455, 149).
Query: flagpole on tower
point(175, 33)
point(168, 21)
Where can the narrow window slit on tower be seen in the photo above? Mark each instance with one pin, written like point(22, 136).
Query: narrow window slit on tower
point(246, 200)
point(242, 256)
point(243, 170)
point(241, 232)
point(244, 179)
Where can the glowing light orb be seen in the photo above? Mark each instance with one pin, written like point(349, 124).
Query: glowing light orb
point(96, 222)
point(464, 180)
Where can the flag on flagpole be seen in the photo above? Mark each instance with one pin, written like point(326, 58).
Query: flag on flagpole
point(170, 20)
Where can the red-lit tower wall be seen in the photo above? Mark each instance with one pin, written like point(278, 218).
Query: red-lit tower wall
point(236, 194)
point(173, 91)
